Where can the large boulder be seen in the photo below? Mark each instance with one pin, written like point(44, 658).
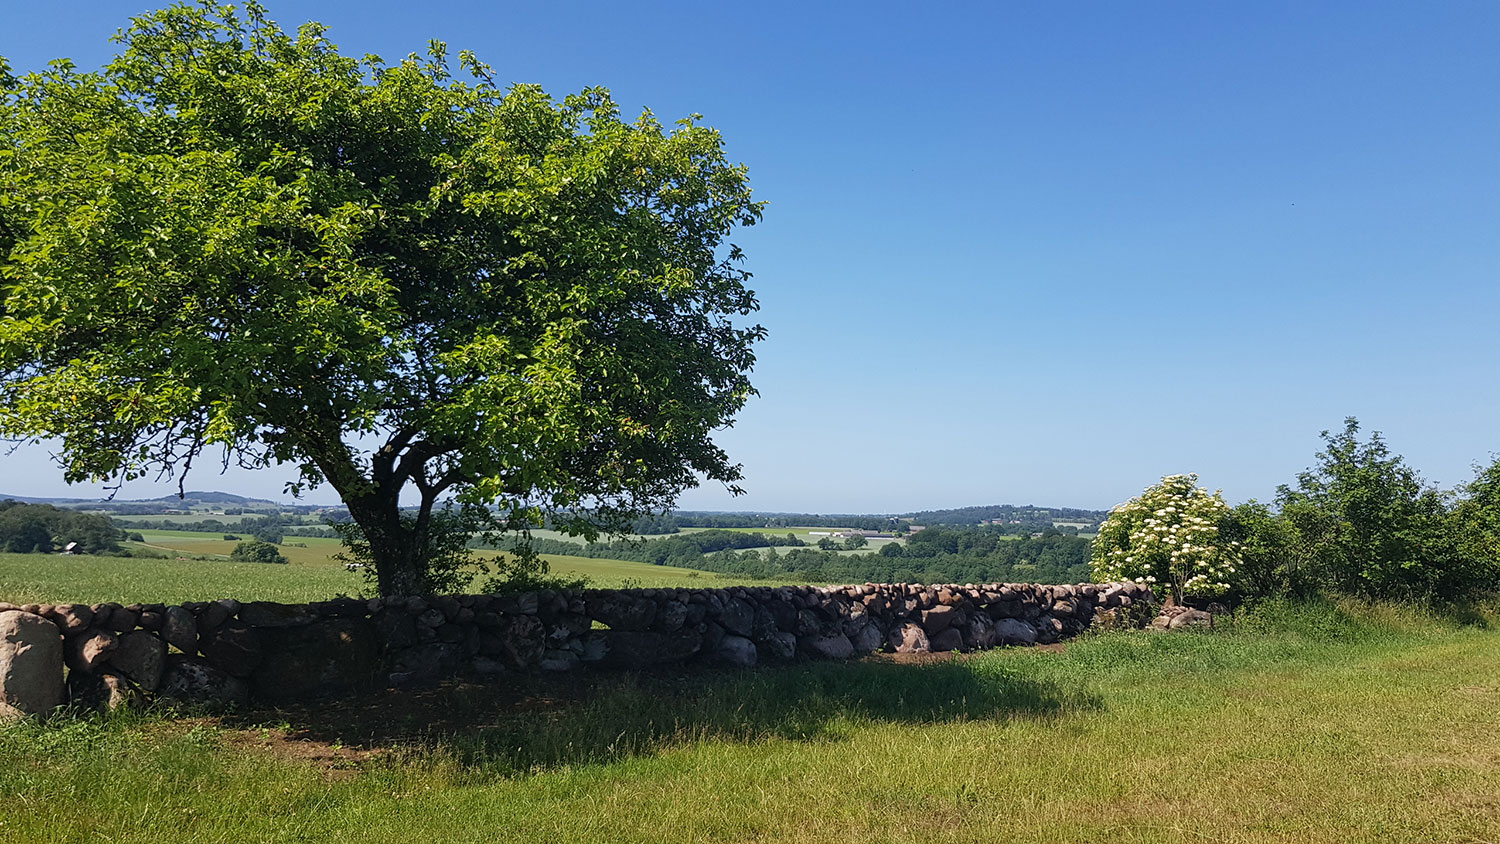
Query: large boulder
point(193, 680)
point(737, 651)
point(947, 639)
point(318, 660)
point(868, 639)
point(938, 619)
point(1190, 619)
point(1015, 631)
point(827, 646)
point(140, 656)
point(31, 665)
point(779, 645)
point(909, 638)
point(738, 617)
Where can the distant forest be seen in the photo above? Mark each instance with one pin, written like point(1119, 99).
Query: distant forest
point(934, 555)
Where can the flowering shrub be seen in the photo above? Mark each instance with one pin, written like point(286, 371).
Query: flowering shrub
point(1168, 538)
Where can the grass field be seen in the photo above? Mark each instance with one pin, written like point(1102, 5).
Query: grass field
point(1306, 726)
point(312, 575)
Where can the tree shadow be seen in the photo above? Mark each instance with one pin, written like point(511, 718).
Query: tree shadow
point(518, 725)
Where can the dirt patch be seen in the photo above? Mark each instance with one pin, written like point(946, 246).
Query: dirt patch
point(335, 759)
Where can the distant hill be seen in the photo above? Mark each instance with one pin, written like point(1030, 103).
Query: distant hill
point(193, 500)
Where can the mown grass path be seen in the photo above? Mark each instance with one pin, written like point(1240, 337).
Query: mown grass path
point(1300, 729)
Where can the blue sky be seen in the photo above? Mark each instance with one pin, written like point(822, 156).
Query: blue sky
point(1039, 252)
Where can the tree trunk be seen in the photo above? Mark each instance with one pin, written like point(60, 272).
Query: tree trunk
point(395, 547)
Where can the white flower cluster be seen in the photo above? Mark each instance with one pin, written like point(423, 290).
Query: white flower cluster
point(1168, 536)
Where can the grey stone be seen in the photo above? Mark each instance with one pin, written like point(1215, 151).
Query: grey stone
point(213, 615)
point(180, 629)
point(979, 632)
point(1048, 630)
point(738, 616)
point(272, 614)
point(827, 646)
point(522, 640)
point(188, 678)
point(1192, 619)
point(670, 617)
point(948, 639)
point(119, 619)
point(868, 640)
point(737, 651)
point(31, 665)
point(780, 645)
point(140, 656)
point(1015, 631)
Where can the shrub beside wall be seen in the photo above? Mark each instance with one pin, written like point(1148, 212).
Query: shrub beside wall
point(228, 652)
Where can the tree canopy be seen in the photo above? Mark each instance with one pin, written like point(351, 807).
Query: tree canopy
point(233, 239)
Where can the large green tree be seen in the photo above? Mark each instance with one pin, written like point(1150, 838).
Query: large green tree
point(233, 241)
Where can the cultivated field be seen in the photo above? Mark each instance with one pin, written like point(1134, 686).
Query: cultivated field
point(312, 575)
point(1304, 725)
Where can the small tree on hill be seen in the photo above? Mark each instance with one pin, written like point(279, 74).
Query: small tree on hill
point(402, 283)
point(256, 551)
point(1168, 538)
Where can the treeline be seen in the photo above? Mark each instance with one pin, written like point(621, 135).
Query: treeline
point(42, 528)
point(1361, 522)
point(935, 555)
point(772, 521)
point(1026, 516)
point(1014, 519)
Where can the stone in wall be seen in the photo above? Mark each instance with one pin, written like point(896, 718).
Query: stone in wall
point(31, 665)
point(140, 657)
point(321, 659)
point(193, 680)
point(101, 690)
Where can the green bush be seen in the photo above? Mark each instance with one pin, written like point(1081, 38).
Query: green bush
point(256, 551)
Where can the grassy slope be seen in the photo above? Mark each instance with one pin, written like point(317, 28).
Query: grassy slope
point(1331, 733)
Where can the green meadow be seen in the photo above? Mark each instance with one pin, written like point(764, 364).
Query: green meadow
point(311, 575)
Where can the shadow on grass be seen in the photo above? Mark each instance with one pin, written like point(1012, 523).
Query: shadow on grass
point(520, 725)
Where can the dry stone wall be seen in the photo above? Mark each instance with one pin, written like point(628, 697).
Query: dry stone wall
point(229, 652)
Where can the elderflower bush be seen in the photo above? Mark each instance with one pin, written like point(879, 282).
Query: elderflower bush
point(1168, 538)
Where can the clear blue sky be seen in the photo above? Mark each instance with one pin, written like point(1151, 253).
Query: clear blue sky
point(1040, 252)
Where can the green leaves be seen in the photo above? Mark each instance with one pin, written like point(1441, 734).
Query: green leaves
point(232, 236)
